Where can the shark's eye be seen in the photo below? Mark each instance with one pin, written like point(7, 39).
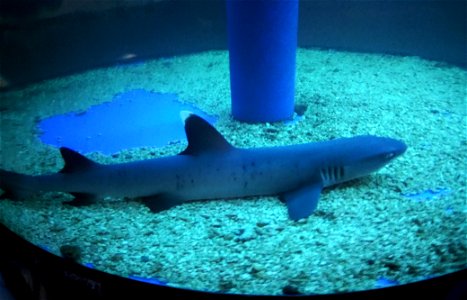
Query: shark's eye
point(389, 155)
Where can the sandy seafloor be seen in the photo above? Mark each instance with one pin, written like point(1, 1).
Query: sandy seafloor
point(362, 231)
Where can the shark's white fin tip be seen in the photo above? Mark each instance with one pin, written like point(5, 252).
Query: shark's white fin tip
point(185, 114)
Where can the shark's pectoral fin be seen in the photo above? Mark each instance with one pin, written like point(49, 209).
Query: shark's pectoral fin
point(82, 199)
point(160, 202)
point(303, 201)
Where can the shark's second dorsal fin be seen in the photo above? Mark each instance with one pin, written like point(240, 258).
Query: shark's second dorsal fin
point(75, 162)
point(202, 137)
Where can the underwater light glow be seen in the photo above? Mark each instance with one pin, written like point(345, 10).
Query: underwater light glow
point(133, 119)
point(155, 281)
point(428, 194)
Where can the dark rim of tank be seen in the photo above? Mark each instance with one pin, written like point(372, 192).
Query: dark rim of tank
point(31, 272)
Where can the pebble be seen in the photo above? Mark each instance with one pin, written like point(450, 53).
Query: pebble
point(246, 234)
point(245, 277)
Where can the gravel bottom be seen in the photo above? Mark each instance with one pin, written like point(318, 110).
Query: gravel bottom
point(365, 234)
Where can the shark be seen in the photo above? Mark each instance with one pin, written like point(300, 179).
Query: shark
point(212, 168)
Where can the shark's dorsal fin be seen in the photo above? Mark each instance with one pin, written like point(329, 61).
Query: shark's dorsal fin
point(75, 162)
point(202, 137)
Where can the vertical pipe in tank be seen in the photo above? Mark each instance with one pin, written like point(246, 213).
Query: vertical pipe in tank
point(262, 44)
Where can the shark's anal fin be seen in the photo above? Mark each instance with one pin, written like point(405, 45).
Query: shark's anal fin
point(202, 137)
point(160, 202)
point(15, 195)
point(81, 199)
point(74, 161)
point(303, 201)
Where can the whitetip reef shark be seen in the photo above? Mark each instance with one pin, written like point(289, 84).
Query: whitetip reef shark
point(211, 168)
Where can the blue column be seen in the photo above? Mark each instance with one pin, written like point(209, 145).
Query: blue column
point(262, 45)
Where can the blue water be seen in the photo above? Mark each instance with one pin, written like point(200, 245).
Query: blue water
point(137, 118)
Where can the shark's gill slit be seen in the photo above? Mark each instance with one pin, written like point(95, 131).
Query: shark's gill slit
point(341, 172)
point(335, 173)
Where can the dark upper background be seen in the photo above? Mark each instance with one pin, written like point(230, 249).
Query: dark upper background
point(50, 38)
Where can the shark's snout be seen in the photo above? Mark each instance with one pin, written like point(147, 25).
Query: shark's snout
point(397, 148)
point(402, 147)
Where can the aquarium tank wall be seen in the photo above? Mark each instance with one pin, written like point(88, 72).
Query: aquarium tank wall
point(126, 170)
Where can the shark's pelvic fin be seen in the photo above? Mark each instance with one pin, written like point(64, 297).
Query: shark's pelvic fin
point(75, 162)
point(82, 199)
point(302, 202)
point(202, 137)
point(160, 202)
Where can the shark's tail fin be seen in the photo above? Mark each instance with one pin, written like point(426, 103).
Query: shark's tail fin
point(14, 185)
